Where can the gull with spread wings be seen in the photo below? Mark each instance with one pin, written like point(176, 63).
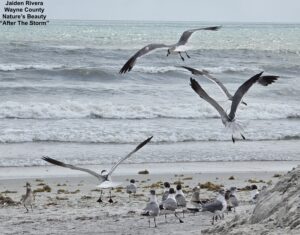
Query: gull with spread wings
point(104, 177)
point(228, 120)
point(178, 47)
point(263, 80)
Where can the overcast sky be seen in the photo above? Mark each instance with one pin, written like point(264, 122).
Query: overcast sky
point(176, 10)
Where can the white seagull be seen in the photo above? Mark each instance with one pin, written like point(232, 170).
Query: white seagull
point(152, 208)
point(28, 197)
point(131, 188)
point(263, 80)
point(174, 48)
point(217, 207)
point(228, 120)
point(104, 177)
point(170, 205)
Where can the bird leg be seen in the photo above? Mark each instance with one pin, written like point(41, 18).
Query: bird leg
point(244, 103)
point(165, 217)
point(181, 56)
point(154, 222)
point(110, 199)
point(233, 140)
point(100, 199)
point(168, 53)
point(213, 220)
point(187, 55)
point(31, 207)
point(244, 138)
point(149, 222)
point(181, 221)
point(26, 209)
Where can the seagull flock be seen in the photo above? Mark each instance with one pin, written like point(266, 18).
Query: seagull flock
point(173, 200)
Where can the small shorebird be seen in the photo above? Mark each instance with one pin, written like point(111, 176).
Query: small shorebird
point(170, 205)
point(131, 188)
point(254, 193)
point(28, 197)
point(152, 208)
point(178, 47)
point(104, 177)
point(180, 198)
point(228, 120)
point(217, 207)
point(263, 80)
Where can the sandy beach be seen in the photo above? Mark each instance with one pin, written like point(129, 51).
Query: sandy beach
point(71, 208)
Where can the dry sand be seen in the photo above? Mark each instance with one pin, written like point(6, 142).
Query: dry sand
point(71, 207)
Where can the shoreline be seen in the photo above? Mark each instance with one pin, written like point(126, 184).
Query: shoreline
point(153, 168)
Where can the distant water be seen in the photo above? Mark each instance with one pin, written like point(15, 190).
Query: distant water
point(60, 84)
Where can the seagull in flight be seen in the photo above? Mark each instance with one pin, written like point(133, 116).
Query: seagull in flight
point(228, 120)
point(104, 177)
point(174, 48)
point(263, 80)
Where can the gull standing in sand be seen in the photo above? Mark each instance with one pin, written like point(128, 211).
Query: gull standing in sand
point(217, 207)
point(228, 120)
point(170, 205)
point(104, 177)
point(263, 80)
point(131, 188)
point(28, 197)
point(180, 198)
point(165, 194)
point(152, 208)
point(234, 202)
point(178, 47)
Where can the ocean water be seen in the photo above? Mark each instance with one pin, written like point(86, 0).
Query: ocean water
point(61, 94)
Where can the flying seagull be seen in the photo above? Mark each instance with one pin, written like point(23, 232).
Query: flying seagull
point(263, 80)
point(104, 177)
point(228, 120)
point(174, 48)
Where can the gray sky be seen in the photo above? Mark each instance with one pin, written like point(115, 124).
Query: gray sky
point(178, 10)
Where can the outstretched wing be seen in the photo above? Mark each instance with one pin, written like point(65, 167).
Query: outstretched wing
point(211, 78)
point(187, 34)
point(198, 89)
point(241, 91)
point(58, 163)
point(267, 80)
point(130, 63)
point(128, 155)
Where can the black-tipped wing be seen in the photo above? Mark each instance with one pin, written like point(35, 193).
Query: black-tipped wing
point(128, 155)
point(130, 63)
point(59, 163)
point(209, 77)
point(187, 34)
point(267, 80)
point(213, 206)
point(241, 91)
point(198, 89)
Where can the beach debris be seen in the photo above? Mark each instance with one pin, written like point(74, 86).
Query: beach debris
point(143, 172)
point(7, 201)
point(187, 178)
point(231, 178)
point(86, 197)
point(45, 188)
point(8, 191)
point(277, 175)
point(60, 185)
point(211, 186)
point(61, 198)
point(39, 180)
point(119, 189)
point(40, 184)
point(254, 181)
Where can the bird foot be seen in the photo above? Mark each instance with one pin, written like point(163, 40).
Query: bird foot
point(110, 200)
point(99, 200)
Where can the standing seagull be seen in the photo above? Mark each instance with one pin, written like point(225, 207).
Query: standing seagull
point(263, 80)
point(27, 199)
point(131, 188)
point(170, 204)
point(217, 206)
point(175, 48)
point(104, 178)
point(234, 202)
point(228, 120)
point(152, 208)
